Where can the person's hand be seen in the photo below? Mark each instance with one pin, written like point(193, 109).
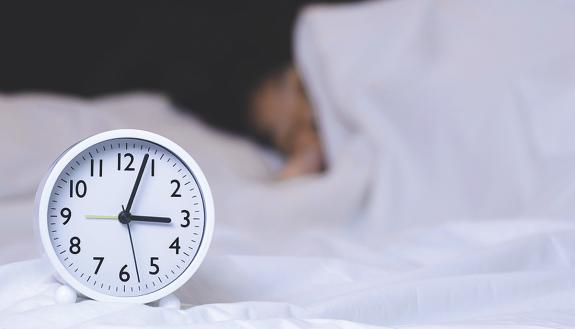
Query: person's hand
point(281, 113)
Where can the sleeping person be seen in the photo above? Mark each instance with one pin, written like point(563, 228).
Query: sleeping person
point(436, 110)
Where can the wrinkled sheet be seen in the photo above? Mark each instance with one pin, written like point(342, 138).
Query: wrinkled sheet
point(446, 203)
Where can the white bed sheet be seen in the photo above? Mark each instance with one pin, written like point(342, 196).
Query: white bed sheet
point(360, 245)
point(264, 274)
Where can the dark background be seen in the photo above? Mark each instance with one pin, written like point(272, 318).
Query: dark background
point(207, 56)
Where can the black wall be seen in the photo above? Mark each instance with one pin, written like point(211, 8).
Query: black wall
point(205, 55)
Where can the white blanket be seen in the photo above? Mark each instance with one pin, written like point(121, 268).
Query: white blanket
point(459, 109)
point(447, 203)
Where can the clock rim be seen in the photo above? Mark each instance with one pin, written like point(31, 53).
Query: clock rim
point(45, 189)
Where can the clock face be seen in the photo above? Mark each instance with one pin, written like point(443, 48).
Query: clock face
point(125, 217)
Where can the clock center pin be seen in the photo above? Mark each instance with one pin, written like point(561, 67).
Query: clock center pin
point(124, 217)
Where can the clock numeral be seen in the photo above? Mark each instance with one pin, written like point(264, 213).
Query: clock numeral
point(79, 189)
point(176, 245)
point(66, 213)
point(75, 245)
point(92, 167)
point(153, 168)
point(186, 218)
point(124, 275)
point(157, 268)
point(130, 161)
point(176, 194)
point(100, 261)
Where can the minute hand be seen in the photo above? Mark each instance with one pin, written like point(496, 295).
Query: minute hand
point(137, 183)
point(152, 219)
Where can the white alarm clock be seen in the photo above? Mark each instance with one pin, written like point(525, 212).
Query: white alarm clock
point(125, 216)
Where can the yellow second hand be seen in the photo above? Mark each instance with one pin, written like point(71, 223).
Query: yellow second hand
point(100, 217)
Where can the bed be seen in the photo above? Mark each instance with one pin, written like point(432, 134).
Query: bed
point(447, 201)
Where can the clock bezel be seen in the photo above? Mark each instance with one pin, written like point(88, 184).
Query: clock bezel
point(45, 190)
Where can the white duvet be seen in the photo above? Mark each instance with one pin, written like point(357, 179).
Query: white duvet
point(449, 199)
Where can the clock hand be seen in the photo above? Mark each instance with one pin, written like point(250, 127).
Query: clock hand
point(137, 184)
point(124, 216)
point(133, 252)
point(131, 241)
point(152, 219)
point(100, 217)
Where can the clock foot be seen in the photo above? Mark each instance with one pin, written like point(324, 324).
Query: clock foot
point(65, 295)
point(170, 301)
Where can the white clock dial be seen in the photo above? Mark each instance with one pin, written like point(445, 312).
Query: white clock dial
point(125, 217)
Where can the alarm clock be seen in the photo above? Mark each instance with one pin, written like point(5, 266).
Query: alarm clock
point(125, 216)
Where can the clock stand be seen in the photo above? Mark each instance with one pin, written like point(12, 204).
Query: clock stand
point(65, 294)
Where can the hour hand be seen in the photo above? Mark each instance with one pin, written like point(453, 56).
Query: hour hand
point(126, 218)
point(152, 219)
